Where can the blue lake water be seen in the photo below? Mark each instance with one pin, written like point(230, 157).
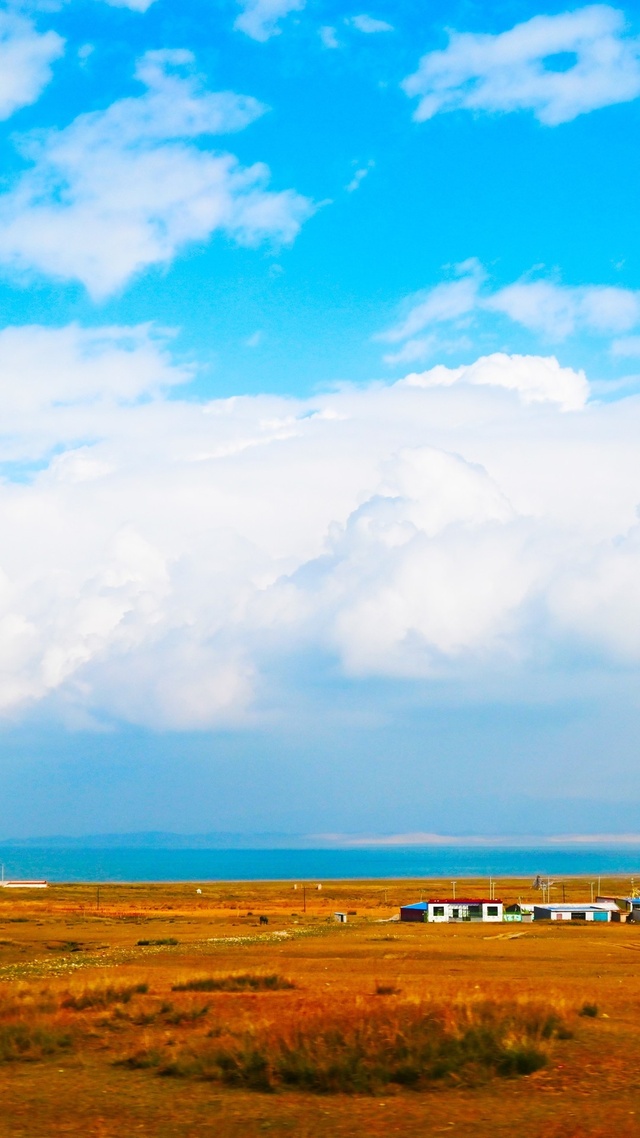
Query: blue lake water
point(98, 865)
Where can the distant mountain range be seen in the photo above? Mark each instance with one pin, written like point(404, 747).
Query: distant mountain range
point(165, 840)
point(160, 839)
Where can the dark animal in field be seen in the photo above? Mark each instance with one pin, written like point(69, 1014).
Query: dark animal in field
point(264, 920)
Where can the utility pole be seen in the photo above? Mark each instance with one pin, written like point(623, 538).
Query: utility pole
point(599, 887)
point(304, 898)
point(453, 887)
point(564, 893)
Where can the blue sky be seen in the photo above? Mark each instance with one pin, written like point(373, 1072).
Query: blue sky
point(319, 371)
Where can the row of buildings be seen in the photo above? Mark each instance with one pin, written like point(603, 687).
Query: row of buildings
point(623, 909)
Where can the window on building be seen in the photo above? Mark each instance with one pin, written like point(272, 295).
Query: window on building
point(455, 913)
point(492, 910)
point(475, 910)
point(438, 910)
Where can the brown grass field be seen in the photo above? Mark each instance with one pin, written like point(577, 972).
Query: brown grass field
point(218, 1025)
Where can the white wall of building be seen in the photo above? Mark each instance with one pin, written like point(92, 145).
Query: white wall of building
point(439, 912)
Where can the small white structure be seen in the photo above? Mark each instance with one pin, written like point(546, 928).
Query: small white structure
point(552, 912)
point(340, 917)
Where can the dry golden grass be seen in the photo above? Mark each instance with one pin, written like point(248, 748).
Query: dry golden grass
point(388, 1028)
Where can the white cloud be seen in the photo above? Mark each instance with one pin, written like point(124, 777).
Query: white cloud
point(369, 25)
point(161, 556)
point(626, 346)
point(328, 36)
point(124, 188)
point(86, 365)
point(550, 309)
point(358, 177)
point(260, 19)
point(447, 301)
point(536, 379)
point(26, 56)
point(559, 311)
point(517, 70)
point(133, 5)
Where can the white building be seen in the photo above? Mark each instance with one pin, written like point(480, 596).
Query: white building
point(572, 912)
point(23, 884)
point(453, 909)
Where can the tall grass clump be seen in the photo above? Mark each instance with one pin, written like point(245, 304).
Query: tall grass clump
point(236, 982)
point(101, 997)
point(19, 1042)
point(26, 1002)
point(163, 940)
point(367, 1050)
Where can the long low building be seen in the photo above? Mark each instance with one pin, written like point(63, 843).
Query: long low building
point(568, 912)
point(453, 909)
point(624, 909)
point(7, 884)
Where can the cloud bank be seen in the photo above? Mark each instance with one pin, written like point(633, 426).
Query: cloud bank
point(559, 67)
point(164, 560)
point(125, 188)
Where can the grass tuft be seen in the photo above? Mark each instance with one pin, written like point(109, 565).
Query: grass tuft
point(237, 982)
point(102, 997)
point(19, 1042)
point(590, 1010)
point(364, 1051)
point(167, 940)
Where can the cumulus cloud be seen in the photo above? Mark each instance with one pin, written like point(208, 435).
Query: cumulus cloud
point(26, 56)
point(260, 19)
point(543, 306)
point(369, 25)
point(556, 66)
point(162, 556)
point(536, 379)
point(124, 188)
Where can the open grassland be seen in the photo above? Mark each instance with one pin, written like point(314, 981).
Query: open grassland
point(157, 1010)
